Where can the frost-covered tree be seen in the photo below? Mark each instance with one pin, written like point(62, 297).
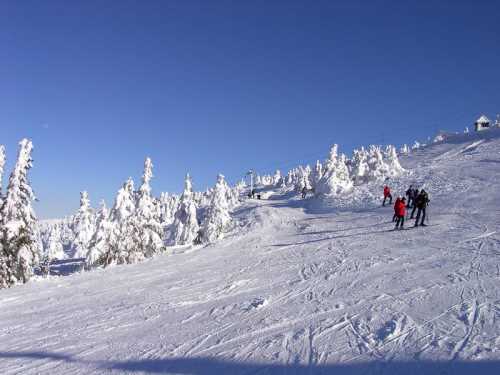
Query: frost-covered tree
point(378, 168)
point(2, 165)
point(416, 145)
point(336, 179)
point(150, 239)
point(100, 244)
point(317, 173)
point(466, 130)
point(277, 178)
point(185, 228)
point(121, 244)
point(359, 166)
point(405, 150)
point(217, 219)
point(83, 226)
point(54, 249)
point(20, 243)
point(391, 159)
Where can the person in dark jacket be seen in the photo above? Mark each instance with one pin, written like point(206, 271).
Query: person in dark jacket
point(409, 194)
point(400, 209)
point(414, 198)
point(421, 203)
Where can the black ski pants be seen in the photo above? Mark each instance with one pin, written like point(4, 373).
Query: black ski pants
point(385, 198)
point(421, 211)
point(400, 221)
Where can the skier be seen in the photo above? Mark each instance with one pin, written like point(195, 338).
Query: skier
point(409, 194)
point(398, 199)
point(414, 198)
point(387, 194)
point(400, 209)
point(421, 203)
point(304, 193)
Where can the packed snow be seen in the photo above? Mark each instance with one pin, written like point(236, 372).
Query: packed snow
point(320, 285)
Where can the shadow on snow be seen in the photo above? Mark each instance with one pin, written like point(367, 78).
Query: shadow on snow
point(214, 366)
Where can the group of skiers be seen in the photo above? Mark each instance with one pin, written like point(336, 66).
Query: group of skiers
point(417, 200)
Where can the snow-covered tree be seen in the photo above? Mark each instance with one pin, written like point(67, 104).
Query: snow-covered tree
point(359, 166)
point(100, 243)
point(405, 150)
point(391, 158)
point(217, 219)
point(378, 168)
point(20, 243)
point(54, 249)
point(336, 179)
point(2, 165)
point(185, 228)
point(126, 239)
point(317, 173)
point(151, 232)
point(83, 227)
point(466, 130)
point(277, 178)
point(416, 145)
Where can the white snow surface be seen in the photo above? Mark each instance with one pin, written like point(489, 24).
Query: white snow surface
point(299, 287)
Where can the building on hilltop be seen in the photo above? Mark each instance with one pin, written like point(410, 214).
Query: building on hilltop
point(482, 123)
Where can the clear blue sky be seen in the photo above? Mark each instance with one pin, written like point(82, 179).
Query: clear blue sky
point(223, 86)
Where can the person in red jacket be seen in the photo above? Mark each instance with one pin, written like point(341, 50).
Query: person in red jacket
point(387, 194)
point(400, 210)
point(398, 199)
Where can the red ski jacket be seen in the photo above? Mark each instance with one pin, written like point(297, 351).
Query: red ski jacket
point(387, 191)
point(396, 205)
point(400, 208)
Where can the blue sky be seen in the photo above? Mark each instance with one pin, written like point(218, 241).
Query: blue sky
point(224, 86)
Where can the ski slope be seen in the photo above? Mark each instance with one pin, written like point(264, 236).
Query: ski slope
point(299, 287)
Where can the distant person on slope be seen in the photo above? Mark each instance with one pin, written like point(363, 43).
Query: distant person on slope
point(421, 203)
point(387, 194)
point(398, 199)
point(304, 192)
point(409, 193)
point(400, 209)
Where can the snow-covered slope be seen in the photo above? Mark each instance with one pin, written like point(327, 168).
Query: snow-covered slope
point(300, 287)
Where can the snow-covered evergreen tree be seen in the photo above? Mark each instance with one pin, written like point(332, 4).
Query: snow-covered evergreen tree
point(185, 228)
point(277, 178)
point(83, 227)
point(150, 239)
point(54, 249)
point(2, 165)
point(466, 130)
point(378, 168)
point(122, 245)
point(405, 150)
point(217, 219)
point(317, 173)
point(359, 166)
point(100, 243)
point(416, 145)
point(20, 243)
point(391, 158)
point(336, 179)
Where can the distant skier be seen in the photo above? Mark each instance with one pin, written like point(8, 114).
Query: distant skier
point(409, 194)
point(387, 194)
point(421, 203)
point(304, 193)
point(400, 209)
point(396, 204)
